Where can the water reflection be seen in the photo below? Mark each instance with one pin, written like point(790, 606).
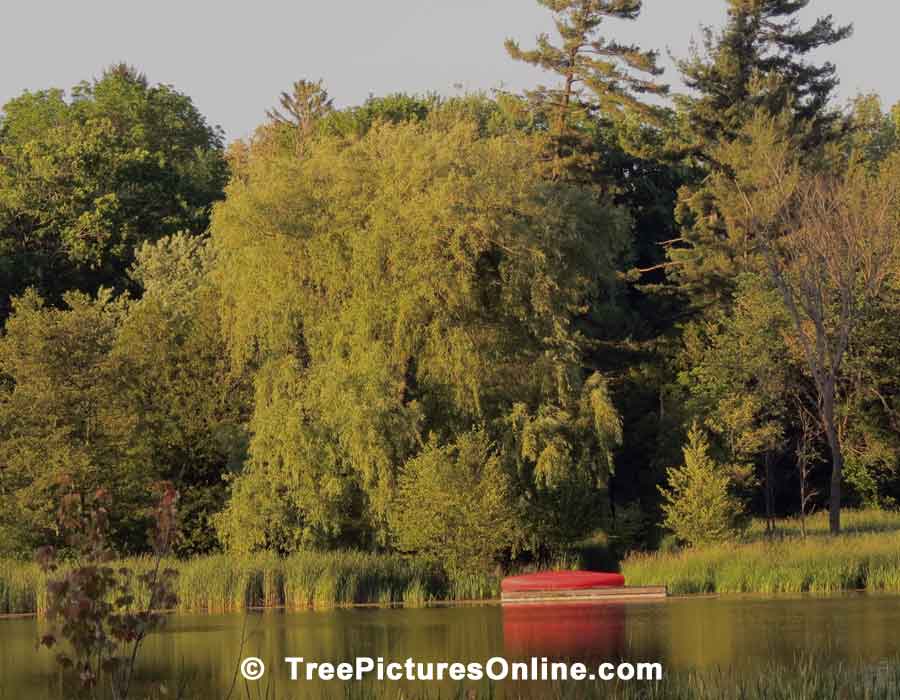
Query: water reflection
point(582, 631)
point(683, 634)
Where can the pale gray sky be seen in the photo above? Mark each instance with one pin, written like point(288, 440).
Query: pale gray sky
point(234, 58)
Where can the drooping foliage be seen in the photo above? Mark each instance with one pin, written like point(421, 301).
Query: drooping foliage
point(401, 289)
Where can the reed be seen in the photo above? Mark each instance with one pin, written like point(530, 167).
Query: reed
point(866, 556)
point(21, 585)
point(229, 583)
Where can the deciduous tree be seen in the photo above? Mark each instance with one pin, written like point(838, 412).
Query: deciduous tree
point(395, 289)
point(85, 180)
point(830, 244)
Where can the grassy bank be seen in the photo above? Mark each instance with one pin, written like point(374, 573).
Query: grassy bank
point(866, 556)
point(223, 583)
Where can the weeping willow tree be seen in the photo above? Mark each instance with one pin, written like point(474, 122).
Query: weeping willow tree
point(392, 294)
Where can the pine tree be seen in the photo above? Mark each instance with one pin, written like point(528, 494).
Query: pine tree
point(599, 77)
point(758, 61)
point(698, 505)
point(306, 103)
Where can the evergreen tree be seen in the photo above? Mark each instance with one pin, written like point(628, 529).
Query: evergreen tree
point(307, 103)
point(599, 77)
point(758, 61)
point(699, 507)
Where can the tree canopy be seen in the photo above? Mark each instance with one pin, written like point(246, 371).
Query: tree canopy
point(479, 328)
point(85, 180)
point(407, 286)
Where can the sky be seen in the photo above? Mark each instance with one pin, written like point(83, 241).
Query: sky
point(234, 58)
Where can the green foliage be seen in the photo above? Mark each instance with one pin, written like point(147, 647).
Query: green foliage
point(114, 394)
point(869, 402)
point(520, 299)
point(190, 408)
point(456, 503)
point(396, 108)
point(743, 375)
point(829, 242)
point(698, 505)
point(304, 106)
point(84, 181)
point(566, 452)
point(873, 134)
point(759, 60)
point(421, 279)
point(64, 419)
point(599, 80)
point(757, 64)
point(599, 73)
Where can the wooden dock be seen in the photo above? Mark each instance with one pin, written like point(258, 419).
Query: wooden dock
point(580, 595)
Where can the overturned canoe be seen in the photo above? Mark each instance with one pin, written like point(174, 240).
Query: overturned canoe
point(561, 580)
point(573, 586)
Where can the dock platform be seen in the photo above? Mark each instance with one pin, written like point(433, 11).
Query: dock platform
point(579, 595)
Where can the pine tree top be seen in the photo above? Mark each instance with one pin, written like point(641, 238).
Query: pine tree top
point(600, 75)
point(759, 60)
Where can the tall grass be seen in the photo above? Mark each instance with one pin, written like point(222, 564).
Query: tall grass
point(21, 585)
point(229, 583)
point(866, 556)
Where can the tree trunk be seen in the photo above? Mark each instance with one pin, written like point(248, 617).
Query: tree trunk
point(834, 507)
point(803, 500)
point(837, 461)
point(770, 514)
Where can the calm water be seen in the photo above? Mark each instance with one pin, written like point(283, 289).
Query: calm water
point(684, 634)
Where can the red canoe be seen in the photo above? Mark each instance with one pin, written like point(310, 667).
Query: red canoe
point(561, 580)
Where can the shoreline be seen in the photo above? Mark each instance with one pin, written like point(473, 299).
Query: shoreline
point(499, 603)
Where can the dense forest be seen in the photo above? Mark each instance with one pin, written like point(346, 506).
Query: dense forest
point(484, 327)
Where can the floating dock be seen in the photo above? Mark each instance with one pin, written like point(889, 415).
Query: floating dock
point(581, 595)
point(574, 587)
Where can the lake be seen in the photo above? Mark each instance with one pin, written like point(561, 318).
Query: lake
point(682, 633)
